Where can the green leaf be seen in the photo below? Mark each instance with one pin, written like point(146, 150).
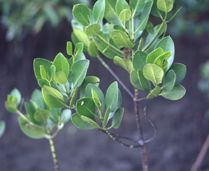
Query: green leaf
point(175, 94)
point(83, 122)
point(121, 39)
point(66, 115)
point(69, 48)
point(113, 97)
point(139, 60)
point(2, 128)
point(117, 118)
point(144, 17)
point(86, 107)
point(78, 73)
point(30, 130)
point(137, 6)
point(110, 13)
point(169, 81)
point(180, 70)
point(151, 57)
point(41, 117)
point(125, 15)
point(82, 14)
point(165, 5)
point(105, 47)
point(92, 49)
point(81, 36)
point(138, 81)
point(153, 73)
point(99, 10)
point(62, 68)
point(154, 93)
point(124, 63)
point(37, 63)
point(37, 98)
point(13, 100)
point(52, 97)
point(92, 30)
point(167, 44)
point(120, 6)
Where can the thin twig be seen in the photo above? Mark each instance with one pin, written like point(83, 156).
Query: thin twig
point(54, 155)
point(115, 76)
point(201, 155)
point(119, 139)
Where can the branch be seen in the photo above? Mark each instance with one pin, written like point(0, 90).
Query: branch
point(115, 76)
point(119, 139)
point(54, 155)
point(201, 155)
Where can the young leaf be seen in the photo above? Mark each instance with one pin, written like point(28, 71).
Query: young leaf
point(175, 94)
point(37, 98)
point(92, 49)
point(78, 73)
point(113, 97)
point(124, 63)
point(30, 130)
point(99, 10)
point(52, 97)
point(180, 70)
point(82, 123)
point(117, 118)
point(151, 57)
point(69, 48)
point(153, 73)
point(125, 15)
point(169, 81)
point(121, 5)
point(82, 14)
point(62, 68)
point(167, 44)
point(66, 115)
point(81, 36)
point(165, 5)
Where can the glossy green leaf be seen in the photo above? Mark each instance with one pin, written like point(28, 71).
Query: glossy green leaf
point(113, 97)
point(99, 10)
point(175, 94)
point(169, 80)
point(83, 122)
point(117, 118)
point(121, 39)
point(52, 97)
point(180, 70)
point(30, 130)
point(153, 73)
point(82, 14)
point(139, 60)
point(81, 36)
point(167, 44)
point(165, 5)
point(78, 73)
point(151, 57)
point(37, 98)
point(86, 107)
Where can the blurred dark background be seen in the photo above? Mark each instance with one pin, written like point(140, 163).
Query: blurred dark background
point(37, 28)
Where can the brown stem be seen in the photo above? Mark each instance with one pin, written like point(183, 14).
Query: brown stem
point(145, 164)
point(54, 155)
point(201, 155)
